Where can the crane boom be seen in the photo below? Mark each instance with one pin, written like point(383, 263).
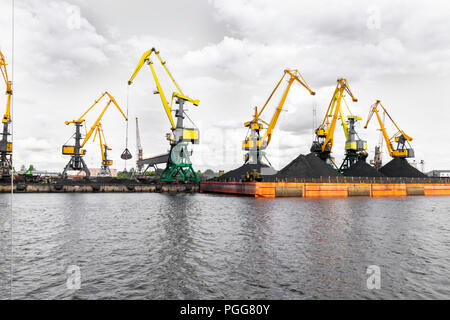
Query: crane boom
point(102, 140)
point(104, 148)
point(111, 99)
point(167, 108)
point(7, 116)
point(335, 105)
point(81, 119)
point(76, 152)
point(294, 76)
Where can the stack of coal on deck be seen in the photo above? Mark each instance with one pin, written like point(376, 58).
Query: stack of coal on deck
point(240, 173)
point(362, 169)
point(398, 167)
point(309, 166)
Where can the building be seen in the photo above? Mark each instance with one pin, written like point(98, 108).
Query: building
point(95, 172)
point(439, 173)
point(46, 173)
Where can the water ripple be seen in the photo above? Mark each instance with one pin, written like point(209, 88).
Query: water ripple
point(156, 246)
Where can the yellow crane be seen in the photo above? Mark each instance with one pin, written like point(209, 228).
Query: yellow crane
point(5, 144)
point(76, 151)
point(255, 142)
point(323, 143)
point(104, 148)
point(403, 148)
point(178, 163)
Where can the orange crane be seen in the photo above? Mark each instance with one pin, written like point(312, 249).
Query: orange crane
point(403, 148)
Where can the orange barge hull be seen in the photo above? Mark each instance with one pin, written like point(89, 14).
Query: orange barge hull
point(315, 190)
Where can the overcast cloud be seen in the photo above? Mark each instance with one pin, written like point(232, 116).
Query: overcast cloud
point(229, 54)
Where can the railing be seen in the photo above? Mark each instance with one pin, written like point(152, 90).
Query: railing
point(341, 179)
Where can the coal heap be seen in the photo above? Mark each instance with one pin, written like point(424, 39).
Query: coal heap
point(239, 173)
point(398, 167)
point(309, 166)
point(362, 169)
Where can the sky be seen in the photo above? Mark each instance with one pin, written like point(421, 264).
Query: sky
point(229, 54)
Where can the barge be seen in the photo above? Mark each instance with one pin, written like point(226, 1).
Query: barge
point(337, 187)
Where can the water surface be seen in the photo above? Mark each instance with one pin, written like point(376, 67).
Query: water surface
point(158, 246)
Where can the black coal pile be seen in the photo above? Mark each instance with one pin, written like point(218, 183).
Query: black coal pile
point(241, 172)
point(398, 167)
point(309, 166)
point(362, 169)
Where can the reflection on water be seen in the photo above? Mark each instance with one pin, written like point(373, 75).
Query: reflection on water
point(157, 246)
point(5, 246)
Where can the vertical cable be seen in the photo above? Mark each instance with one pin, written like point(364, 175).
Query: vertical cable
point(12, 155)
point(126, 134)
point(128, 95)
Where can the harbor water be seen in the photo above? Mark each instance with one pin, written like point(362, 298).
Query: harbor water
point(201, 246)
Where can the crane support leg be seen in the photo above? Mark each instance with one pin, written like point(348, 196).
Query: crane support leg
point(5, 164)
point(76, 163)
point(179, 166)
point(105, 171)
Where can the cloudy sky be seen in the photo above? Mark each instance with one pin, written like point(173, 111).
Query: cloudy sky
point(228, 54)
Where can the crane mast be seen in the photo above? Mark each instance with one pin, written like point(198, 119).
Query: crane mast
point(140, 151)
point(403, 148)
point(355, 148)
point(255, 142)
point(377, 161)
point(6, 147)
point(76, 151)
point(178, 163)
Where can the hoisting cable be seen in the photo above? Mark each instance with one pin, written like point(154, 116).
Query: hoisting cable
point(126, 155)
point(69, 139)
point(350, 111)
point(192, 122)
point(12, 141)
